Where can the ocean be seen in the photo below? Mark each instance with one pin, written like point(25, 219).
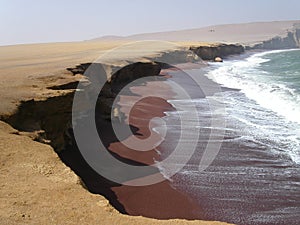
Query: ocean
point(255, 177)
point(269, 100)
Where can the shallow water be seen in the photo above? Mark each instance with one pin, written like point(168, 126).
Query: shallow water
point(255, 177)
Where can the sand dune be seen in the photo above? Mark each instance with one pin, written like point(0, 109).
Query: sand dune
point(247, 33)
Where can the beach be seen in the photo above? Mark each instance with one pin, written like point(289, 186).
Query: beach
point(47, 179)
point(254, 178)
point(41, 189)
point(159, 200)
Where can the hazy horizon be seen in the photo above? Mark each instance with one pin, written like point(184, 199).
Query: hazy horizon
point(54, 21)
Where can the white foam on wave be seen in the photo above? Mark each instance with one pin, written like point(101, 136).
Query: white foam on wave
point(163, 170)
point(247, 76)
point(262, 126)
point(276, 108)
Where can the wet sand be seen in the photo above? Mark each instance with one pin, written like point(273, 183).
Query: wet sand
point(159, 200)
point(246, 184)
point(36, 186)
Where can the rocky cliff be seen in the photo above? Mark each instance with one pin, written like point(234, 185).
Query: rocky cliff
point(37, 186)
point(220, 50)
point(49, 120)
point(290, 40)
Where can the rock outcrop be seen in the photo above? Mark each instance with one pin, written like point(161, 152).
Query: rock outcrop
point(177, 56)
point(218, 59)
point(120, 79)
point(49, 120)
point(220, 50)
point(288, 41)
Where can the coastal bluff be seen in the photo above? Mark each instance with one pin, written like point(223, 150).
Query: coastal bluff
point(37, 96)
point(217, 50)
point(290, 40)
point(38, 82)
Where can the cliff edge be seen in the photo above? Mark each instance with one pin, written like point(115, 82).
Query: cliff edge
point(37, 188)
point(290, 40)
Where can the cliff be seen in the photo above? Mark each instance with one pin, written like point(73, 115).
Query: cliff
point(41, 188)
point(290, 40)
point(36, 99)
point(49, 120)
point(43, 113)
point(37, 188)
point(220, 50)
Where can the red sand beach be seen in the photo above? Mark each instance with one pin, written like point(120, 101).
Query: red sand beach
point(159, 200)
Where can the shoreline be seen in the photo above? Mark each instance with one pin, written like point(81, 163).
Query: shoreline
point(49, 94)
point(135, 199)
point(160, 200)
point(247, 169)
point(45, 167)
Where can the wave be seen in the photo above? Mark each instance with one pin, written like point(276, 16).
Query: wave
point(255, 83)
point(268, 107)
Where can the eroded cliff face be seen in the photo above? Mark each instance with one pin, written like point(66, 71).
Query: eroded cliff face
point(220, 50)
point(49, 120)
point(45, 121)
point(288, 41)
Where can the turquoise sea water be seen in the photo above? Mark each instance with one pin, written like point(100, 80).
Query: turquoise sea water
point(269, 101)
point(255, 178)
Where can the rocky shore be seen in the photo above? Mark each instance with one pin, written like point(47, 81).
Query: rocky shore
point(219, 50)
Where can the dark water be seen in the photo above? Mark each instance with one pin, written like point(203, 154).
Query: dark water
point(255, 178)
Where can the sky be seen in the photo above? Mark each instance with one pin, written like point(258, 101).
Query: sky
point(38, 21)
